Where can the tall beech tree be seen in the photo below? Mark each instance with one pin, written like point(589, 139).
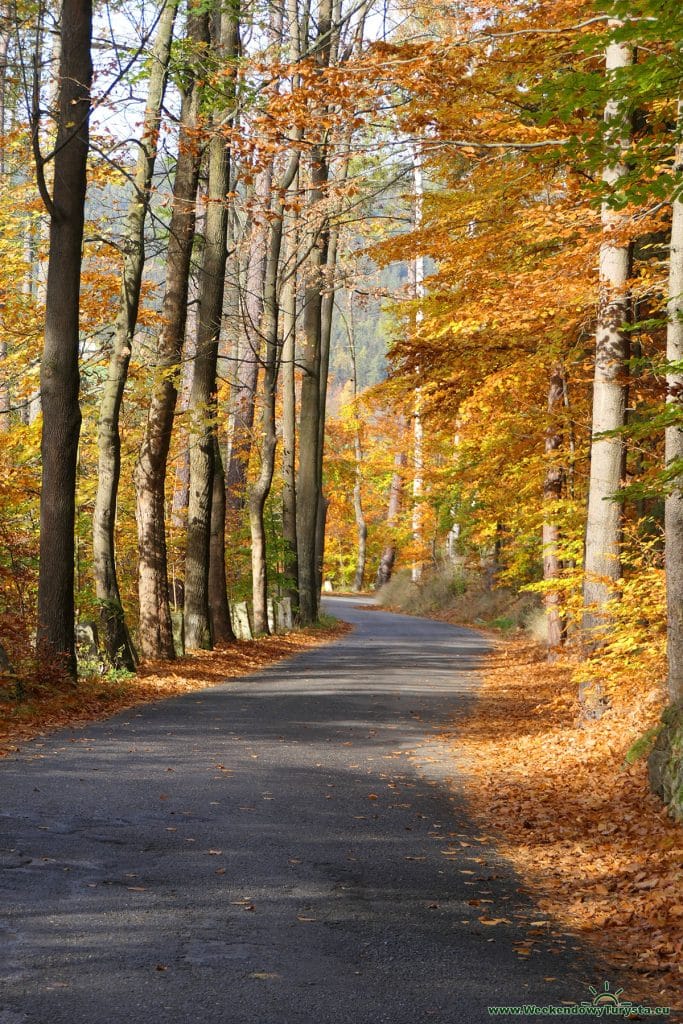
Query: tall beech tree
point(308, 485)
point(59, 370)
point(260, 489)
point(248, 353)
point(288, 374)
point(115, 635)
point(200, 622)
point(602, 561)
point(674, 435)
point(156, 630)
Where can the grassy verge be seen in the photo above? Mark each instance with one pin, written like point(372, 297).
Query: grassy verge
point(462, 599)
point(44, 708)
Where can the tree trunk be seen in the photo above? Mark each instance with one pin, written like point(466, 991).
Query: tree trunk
point(289, 420)
point(5, 663)
point(203, 397)
point(308, 483)
point(418, 429)
point(156, 631)
point(552, 494)
point(112, 626)
point(673, 515)
point(221, 625)
point(269, 330)
point(361, 525)
point(308, 480)
point(603, 528)
point(5, 399)
point(248, 360)
point(386, 562)
point(59, 372)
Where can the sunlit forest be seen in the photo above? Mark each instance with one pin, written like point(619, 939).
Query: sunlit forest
point(318, 297)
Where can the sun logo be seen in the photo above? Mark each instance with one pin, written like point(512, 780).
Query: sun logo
point(605, 997)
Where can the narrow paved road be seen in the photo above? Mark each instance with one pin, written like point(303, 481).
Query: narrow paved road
point(268, 852)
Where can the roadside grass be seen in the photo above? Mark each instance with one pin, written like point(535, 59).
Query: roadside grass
point(460, 597)
point(38, 708)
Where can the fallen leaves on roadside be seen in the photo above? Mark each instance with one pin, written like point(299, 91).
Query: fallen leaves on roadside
point(47, 707)
point(598, 850)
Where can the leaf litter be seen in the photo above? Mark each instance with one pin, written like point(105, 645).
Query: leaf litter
point(47, 707)
point(598, 852)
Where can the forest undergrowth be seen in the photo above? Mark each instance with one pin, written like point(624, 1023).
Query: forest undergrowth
point(573, 812)
point(42, 708)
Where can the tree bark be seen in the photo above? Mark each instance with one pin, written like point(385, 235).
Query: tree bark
point(553, 488)
point(308, 482)
point(603, 528)
point(308, 479)
point(59, 371)
point(289, 420)
point(5, 398)
point(221, 624)
point(112, 625)
point(386, 562)
point(673, 514)
point(156, 632)
point(260, 489)
point(198, 616)
point(248, 360)
point(361, 525)
point(418, 429)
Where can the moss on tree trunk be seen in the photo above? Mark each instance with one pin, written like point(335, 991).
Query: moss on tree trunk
point(665, 764)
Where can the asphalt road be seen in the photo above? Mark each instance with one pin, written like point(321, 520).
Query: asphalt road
point(285, 849)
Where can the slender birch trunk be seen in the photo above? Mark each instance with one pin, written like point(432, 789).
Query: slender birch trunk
point(603, 529)
point(289, 417)
point(553, 488)
point(361, 525)
point(59, 370)
point(203, 396)
point(112, 623)
point(673, 514)
point(156, 632)
point(5, 397)
point(418, 429)
point(388, 557)
point(326, 317)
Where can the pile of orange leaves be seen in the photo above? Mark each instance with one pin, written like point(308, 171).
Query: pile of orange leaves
point(575, 817)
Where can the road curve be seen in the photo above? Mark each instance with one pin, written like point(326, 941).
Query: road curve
point(283, 849)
